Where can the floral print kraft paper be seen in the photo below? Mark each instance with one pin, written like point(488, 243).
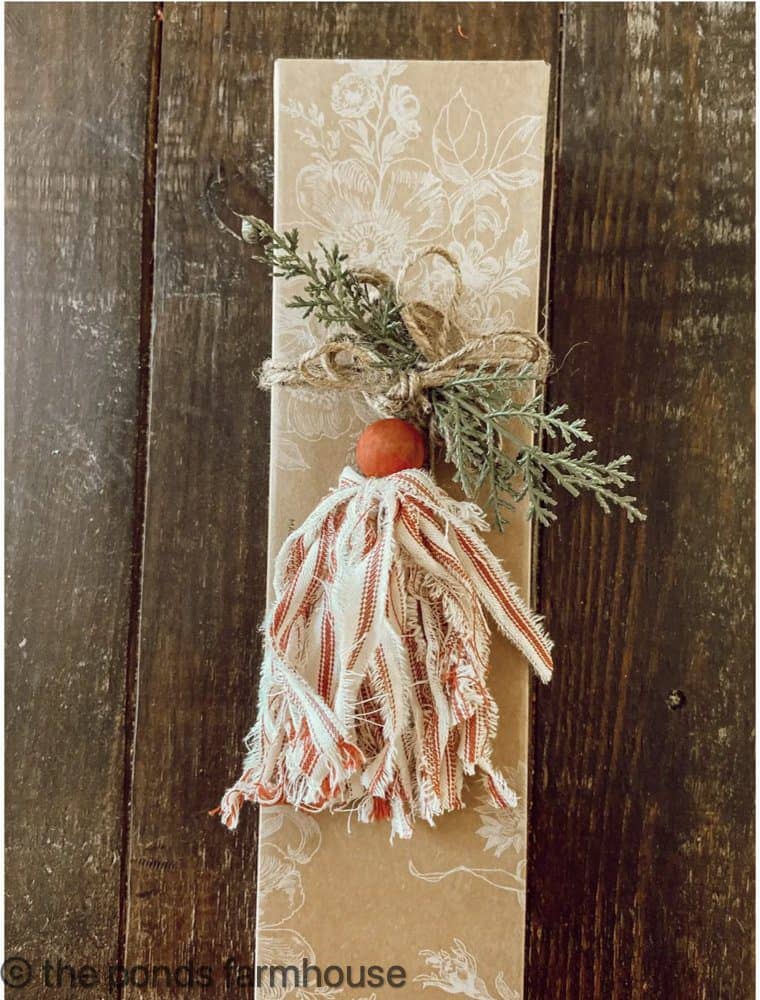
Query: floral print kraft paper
point(385, 158)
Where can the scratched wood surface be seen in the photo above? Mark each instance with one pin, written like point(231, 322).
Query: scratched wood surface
point(76, 91)
point(131, 667)
point(642, 806)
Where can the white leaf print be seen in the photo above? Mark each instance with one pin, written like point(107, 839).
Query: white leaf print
point(358, 130)
point(513, 180)
point(514, 163)
point(459, 140)
point(289, 455)
point(504, 990)
point(393, 144)
point(300, 836)
point(515, 140)
point(280, 885)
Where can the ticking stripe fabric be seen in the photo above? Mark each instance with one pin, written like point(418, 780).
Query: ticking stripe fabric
point(374, 694)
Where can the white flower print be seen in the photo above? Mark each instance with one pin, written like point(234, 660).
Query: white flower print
point(487, 276)
point(479, 266)
point(280, 883)
point(403, 108)
point(375, 222)
point(364, 191)
point(372, 198)
point(504, 829)
point(299, 836)
point(455, 971)
point(352, 96)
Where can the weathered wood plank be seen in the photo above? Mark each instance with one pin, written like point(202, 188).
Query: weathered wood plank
point(192, 884)
point(641, 854)
point(76, 103)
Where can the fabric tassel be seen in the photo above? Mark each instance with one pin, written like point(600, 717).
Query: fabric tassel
point(374, 694)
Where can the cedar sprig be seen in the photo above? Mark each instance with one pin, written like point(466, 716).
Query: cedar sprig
point(334, 295)
point(482, 417)
point(479, 416)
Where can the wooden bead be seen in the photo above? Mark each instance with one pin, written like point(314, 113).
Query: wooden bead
point(388, 446)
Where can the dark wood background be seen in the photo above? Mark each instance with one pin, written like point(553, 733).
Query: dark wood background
point(137, 468)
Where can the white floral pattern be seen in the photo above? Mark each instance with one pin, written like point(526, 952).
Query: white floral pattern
point(281, 896)
point(381, 187)
point(364, 189)
point(504, 829)
point(310, 415)
point(455, 971)
point(381, 167)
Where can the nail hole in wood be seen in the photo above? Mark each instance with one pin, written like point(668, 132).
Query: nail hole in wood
point(676, 699)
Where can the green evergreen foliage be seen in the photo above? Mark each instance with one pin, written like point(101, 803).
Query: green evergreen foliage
point(482, 416)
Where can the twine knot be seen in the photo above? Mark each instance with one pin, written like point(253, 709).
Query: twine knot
point(341, 363)
point(407, 393)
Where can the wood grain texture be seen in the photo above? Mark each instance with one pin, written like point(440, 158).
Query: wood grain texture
point(642, 792)
point(192, 884)
point(75, 120)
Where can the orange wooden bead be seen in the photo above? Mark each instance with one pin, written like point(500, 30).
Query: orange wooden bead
point(388, 446)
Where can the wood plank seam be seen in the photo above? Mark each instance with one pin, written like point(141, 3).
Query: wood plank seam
point(142, 443)
point(549, 229)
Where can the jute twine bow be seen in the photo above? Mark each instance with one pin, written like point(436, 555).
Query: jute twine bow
point(343, 364)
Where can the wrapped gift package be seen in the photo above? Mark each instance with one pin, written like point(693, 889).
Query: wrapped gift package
point(385, 159)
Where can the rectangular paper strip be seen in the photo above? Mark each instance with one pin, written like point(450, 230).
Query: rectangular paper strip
point(385, 158)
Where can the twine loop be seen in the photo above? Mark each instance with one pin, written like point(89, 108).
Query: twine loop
point(340, 363)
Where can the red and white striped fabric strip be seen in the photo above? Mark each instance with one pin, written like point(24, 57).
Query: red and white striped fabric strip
point(374, 694)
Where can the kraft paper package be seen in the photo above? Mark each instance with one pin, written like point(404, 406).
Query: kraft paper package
point(384, 159)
